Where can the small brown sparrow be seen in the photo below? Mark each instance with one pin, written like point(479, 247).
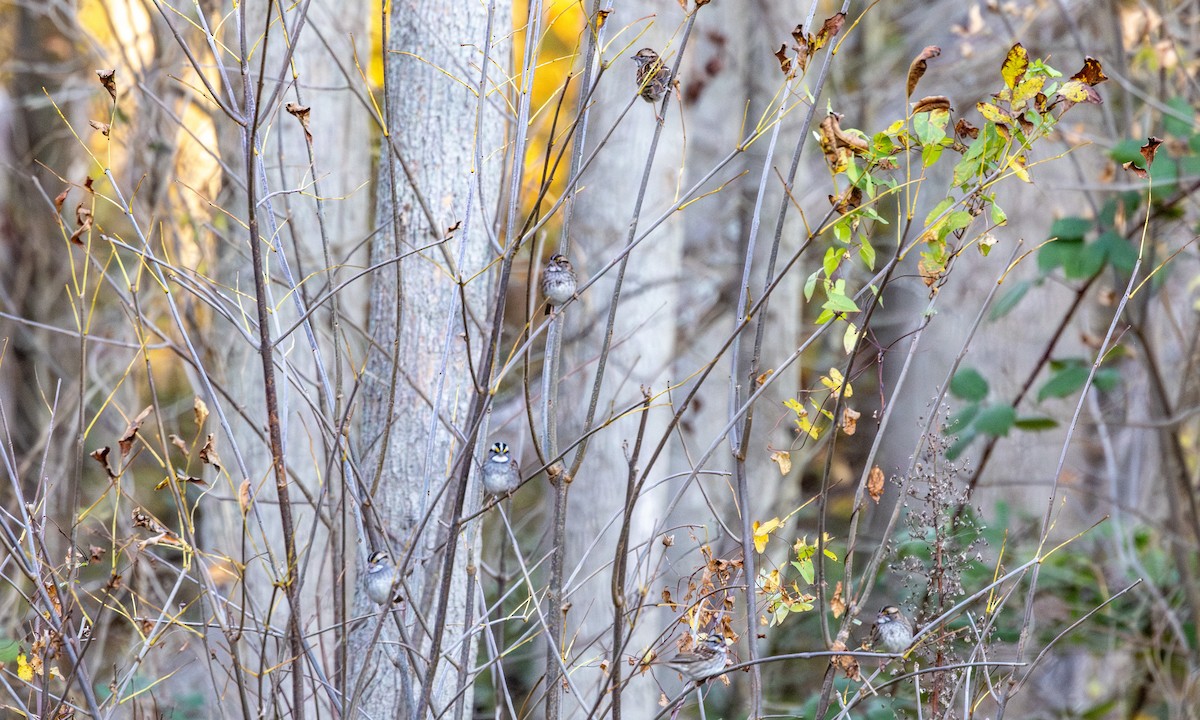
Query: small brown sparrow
point(706, 659)
point(558, 281)
point(653, 76)
point(892, 631)
point(501, 474)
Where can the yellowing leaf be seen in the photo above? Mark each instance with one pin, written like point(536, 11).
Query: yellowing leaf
point(762, 533)
point(783, 459)
point(24, 670)
point(836, 383)
point(875, 483)
point(1015, 65)
point(849, 338)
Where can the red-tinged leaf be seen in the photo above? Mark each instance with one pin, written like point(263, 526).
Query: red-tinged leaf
point(1130, 167)
point(916, 69)
point(1149, 149)
point(831, 27)
point(785, 62)
point(1015, 65)
point(1091, 74)
point(962, 128)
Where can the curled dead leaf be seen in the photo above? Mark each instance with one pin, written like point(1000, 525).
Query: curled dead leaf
point(208, 453)
point(300, 112)
point(1137, 171)
point(875, 483)
point(100, 455)
point(785, 62)
point(199, 411)
point(179, 443)
point(850, 420)
point(931, 103)
point(108, 78)
point(244, 497)
point(847, 201)
point(126, 440)
point(1149, 149)
point(783, 459)
point(831, 27)
point(83, 222)
point(916, 69)
point(836, 604)
point(104, 128)
point(962, 128)
point(846, 663)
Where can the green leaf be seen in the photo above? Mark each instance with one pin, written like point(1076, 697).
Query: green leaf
point(962, 419)
point(1057, 254)
point(1070, 228)
point(960, 444)
point(1127, 151)
point(9, 649)
point(968, 384)
point(1035, 423)
point(1064, 382)
point(1107, 379)
point(1177, 119)
point(995, 420)
point(1009, 299)
point(998, 215)
point(810, 286)
point(867, 253)
point(1085, 263)
point(1118, 251)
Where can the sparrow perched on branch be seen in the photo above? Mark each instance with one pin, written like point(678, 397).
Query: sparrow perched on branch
point(501, 474)
point(892, 631)
point(380, 577)
point(706, 659)
point(653, 77)
point(558, 282)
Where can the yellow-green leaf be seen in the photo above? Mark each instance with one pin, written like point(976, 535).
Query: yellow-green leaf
point(1015, 65)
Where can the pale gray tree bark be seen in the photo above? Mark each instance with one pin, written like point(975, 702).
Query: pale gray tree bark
point(439, 180)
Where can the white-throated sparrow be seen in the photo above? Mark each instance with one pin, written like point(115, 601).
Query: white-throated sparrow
point(653, 76)
point(558, 281)
point(892, 631)
point(501, 474)
point(705, 659)
point(381, 576)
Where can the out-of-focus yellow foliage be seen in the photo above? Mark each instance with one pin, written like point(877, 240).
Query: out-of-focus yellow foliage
point(558, 45)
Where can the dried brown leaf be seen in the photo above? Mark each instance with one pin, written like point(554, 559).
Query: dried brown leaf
point(875, 483)
point(916, 69)
point(785, 62)
point(300, 112)
point(831, 27)
point(102, 127)
point(108, 78)
point(1149, 149)
point(846, 663)
point(1137, 171)
point(848, 201)
point(61, 198)
point(100, 455)
point(783, 459)
point(208, 453)
point(1091, 73)
point(836, 604)
point(931, 103)
point(244, 497)
point(126, 440)
point(199, 411)
point(962, 128)
point(850, 420)
point(83, 222)
point(179, 443)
